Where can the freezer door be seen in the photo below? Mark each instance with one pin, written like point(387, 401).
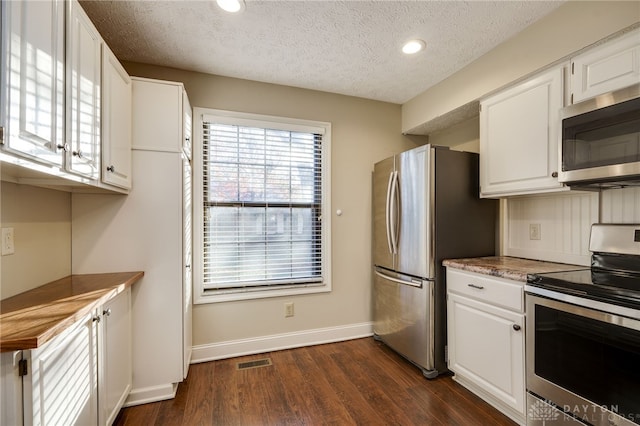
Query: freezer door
point(383, 176)
point(411, 202)
point(403, 316)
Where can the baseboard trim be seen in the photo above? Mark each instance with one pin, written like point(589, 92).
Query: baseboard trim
point(151, 394)
point(233, 348)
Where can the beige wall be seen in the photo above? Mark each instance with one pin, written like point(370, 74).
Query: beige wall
point(363, 132)
point(573, 26)
point(41, 219)
point(464, 136)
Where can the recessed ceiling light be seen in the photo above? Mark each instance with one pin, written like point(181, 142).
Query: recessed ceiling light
point(232, 6)
point(413, 46)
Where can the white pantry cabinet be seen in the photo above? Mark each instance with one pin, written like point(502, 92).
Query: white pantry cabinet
point(33, 66)
point(83, 94)
point(610, 66)
point(116, 121)
point(148, 230)
point(519, 130)
point(485, 327)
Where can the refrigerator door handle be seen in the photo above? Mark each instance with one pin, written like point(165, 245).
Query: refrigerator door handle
point(395, 212)
point(388, 213)
point(417, 283)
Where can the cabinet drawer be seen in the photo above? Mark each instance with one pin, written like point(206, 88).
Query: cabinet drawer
point(496, 291)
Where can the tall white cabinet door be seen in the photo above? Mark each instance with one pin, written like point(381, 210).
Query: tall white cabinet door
point(32, 88)
point(116, 121)
point(611, 66)
point(115, 356)
point(486, 344)
point(83, 93)
point(187, 239)
point(519, 131)
point(61, 387)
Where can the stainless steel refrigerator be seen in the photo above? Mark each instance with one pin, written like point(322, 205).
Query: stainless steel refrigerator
point(426, 209)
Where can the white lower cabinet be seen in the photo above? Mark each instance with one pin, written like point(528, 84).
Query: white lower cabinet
point(486, 340)
point(114, 361)
point(60, 387)
point(80, 377)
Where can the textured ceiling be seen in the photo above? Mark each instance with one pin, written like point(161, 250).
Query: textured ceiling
point(347, 47)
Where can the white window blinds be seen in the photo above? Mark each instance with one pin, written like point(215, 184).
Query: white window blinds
point(262, 204)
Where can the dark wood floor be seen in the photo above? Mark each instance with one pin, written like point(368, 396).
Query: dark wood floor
point(358, 382)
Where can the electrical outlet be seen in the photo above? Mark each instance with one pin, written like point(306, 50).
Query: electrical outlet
point(534, 231)
point(288, 309)
point(7, 241)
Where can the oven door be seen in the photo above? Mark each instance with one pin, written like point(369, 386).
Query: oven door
point(601, 139)
point(584, 361)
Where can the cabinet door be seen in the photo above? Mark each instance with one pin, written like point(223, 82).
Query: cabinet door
point(186, 125)
point(83, 93)
point(486, 346)
point(611, 66)
point(61, 387)
point(32, 87)
point(115, 352)
point(519, 133)
point(116, 121)
point(158, 115)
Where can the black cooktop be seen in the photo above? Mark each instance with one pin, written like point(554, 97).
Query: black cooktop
point(618, 287)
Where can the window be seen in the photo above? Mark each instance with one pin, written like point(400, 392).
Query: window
point(262, 206)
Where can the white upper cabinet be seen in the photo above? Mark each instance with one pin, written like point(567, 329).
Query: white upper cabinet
point(65, 101)
point(163, 115)
point(519, 130)
point(32, 86)
point(605, 68)
point(83, 94)
point(116, 121)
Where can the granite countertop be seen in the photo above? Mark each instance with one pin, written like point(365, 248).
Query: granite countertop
point(30, 319)
point(512, 268)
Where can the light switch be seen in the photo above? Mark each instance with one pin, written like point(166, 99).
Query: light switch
point(7, 241)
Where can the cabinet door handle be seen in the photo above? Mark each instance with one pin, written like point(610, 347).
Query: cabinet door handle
point(64, 147)
point(554, 174)
point(96, 319)
point(479, 287)
point(77, 153)
point(516, 327)
point(106, 312)
point(111, 169)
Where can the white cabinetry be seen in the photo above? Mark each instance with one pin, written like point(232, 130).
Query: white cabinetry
point(59, 124)
point(83, 94)
point(115, 356)
point(116, 121)
point(80, 377)
point(485, 325)
point(32, 95)
point(147, 230)
point(61, 386)
point(519, 137)
point(607, 67)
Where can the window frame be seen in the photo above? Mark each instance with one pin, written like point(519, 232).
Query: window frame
point(202, 115)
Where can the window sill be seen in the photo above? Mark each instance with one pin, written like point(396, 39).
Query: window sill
point(213, 296)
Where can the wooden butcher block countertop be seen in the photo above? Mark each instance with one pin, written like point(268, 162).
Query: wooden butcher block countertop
point(512, 268)
point(30, 319)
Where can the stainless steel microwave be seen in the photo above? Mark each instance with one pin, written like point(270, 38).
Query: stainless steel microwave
point(600, 141)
